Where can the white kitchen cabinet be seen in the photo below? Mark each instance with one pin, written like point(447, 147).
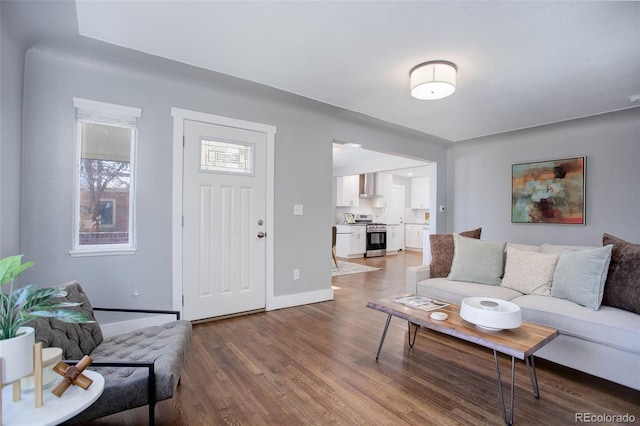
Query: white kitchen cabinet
point(347, 191)
point(414, 236)
point(383, 189)
point(353, 244)
point(420, 193)
point(395, 238)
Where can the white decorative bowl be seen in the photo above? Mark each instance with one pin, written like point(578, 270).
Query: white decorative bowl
point(50, 357)
point(491, 314)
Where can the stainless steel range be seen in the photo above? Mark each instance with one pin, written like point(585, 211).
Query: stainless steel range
point(376, 235)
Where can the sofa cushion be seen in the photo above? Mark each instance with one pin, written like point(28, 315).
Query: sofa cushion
point(125, 387)
point(580, 276)
point(442, 251)
point(622, 288)
point(455, 291)
point(75, 340)
point(608, 326)
point(477, 261)
point(529, 272)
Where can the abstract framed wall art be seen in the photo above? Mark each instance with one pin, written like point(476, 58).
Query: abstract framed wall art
point(549, 191)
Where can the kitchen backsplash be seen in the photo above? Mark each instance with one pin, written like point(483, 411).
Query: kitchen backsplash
point(415, 216)
point(379, 214)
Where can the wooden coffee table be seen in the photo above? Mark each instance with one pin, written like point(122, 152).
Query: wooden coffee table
point(519, 343)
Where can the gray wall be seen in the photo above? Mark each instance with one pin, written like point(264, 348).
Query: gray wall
point(23, 23)
point(11, 72)
point(479, 179)
point(56, 72)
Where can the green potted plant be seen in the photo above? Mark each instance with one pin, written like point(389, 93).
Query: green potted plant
point(19, 306)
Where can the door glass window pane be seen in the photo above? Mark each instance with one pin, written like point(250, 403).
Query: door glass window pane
point(219, 156)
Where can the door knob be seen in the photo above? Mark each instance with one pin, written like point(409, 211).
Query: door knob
point(262, 234)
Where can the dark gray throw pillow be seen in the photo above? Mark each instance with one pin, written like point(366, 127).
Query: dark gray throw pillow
point(622, 288)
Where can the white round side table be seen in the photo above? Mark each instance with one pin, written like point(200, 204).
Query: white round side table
point(54, 410)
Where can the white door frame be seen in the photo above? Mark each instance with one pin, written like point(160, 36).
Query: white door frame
point(179, 116)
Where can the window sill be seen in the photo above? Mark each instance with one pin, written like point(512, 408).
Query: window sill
point(102, 251)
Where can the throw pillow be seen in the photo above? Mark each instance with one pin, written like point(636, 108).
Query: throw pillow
point(622, 289)
point(526, 247)
point(580, 276)
point(558, 249)
point(529, 272)
point(477, 261)
point(442, 252)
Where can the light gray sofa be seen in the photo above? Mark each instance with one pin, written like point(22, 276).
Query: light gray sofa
point(603, 342)
point(140, 367)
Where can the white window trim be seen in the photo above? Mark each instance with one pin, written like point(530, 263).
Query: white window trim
point(125, 116)
point(107, 108)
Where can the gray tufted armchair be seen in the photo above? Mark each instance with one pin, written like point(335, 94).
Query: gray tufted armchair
point(140, 367)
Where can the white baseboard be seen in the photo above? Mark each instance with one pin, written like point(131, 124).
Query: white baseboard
point(280, 302)
point(119, 323)
point(114, 323)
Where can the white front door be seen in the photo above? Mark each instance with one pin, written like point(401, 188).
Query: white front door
point(224, 230)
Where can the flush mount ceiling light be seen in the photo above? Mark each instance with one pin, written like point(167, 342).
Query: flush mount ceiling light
point(433, 80)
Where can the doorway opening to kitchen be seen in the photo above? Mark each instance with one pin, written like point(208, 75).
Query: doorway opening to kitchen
point(383, 203)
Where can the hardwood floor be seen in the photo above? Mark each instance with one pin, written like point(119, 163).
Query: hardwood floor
point(315, 365)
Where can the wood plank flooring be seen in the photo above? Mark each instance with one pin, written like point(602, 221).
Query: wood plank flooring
point(315, 365)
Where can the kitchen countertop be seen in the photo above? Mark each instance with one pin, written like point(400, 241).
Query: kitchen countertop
point(388, 224)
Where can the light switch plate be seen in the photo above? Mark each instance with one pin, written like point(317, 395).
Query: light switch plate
point(297, 210)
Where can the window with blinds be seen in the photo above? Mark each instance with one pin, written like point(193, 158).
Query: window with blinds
point(104, 213)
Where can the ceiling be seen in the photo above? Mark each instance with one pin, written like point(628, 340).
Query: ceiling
point(349, 160)
point(520, 64)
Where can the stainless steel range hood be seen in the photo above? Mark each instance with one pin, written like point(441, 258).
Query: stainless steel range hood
point(368, 186)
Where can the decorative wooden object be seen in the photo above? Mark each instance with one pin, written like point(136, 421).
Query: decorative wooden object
point(37, 374)
point(72, 375)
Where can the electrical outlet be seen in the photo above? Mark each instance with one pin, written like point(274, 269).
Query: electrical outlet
point(296, 274)
point(297, 210)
